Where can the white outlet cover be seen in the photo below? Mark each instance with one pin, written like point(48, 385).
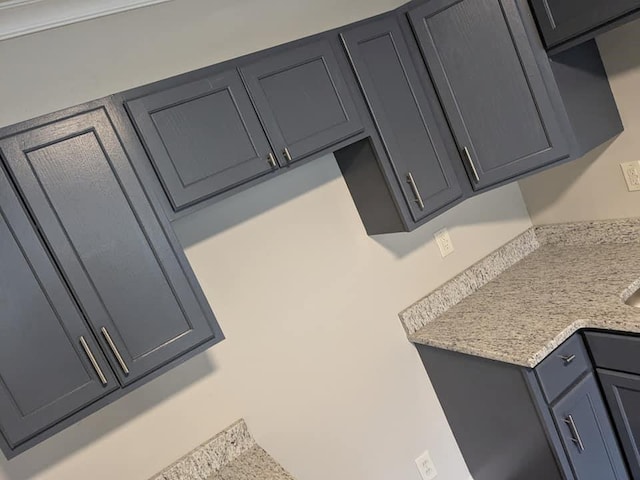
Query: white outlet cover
point(444, 242)
point(631, 172)
point(426, 467)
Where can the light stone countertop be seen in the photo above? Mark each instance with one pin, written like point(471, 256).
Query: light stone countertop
point(233, 454)
point(562, 278)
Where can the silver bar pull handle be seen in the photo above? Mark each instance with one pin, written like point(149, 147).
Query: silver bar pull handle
point(271, 160)
point(567, 358)
point(115, 351)
point(467, 154)
point(287, 155)
point(575, 436)
point(92, 359)
point(416, 192)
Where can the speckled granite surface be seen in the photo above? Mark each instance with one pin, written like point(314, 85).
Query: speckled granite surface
point(573, 280)
point(231, 455)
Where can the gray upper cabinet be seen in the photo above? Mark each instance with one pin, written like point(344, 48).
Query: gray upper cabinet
point(124, 268)
point(403, 115)
point(302, 99)
point(491, 88)
point(561, 21)
point(587, 434)
point(203, 137)
point(50, 364)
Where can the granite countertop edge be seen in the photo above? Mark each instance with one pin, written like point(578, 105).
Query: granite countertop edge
point(428, 314)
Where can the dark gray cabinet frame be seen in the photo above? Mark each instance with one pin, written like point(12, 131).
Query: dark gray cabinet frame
point(507, 428)
point(129, 144)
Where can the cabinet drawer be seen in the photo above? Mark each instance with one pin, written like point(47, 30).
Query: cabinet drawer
point(615, 351)
point(563, 367)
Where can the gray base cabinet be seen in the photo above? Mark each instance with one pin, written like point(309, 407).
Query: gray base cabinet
point(97, 293)
point(513, 422)
point(587, 434)
point(490, 86)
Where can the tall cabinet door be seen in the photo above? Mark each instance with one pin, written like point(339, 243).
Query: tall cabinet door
point(302, 99)
point(50, 364)
point(76, 178)
point(491, 88)
point(587, 434)
point(403, 115)
point(203, 137)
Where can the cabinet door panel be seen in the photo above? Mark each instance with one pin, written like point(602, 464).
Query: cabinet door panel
point(78, 181)
point(587, 434)
point(561, 20)
point(302, 99)
point(203, 137)
point(491, 87)
point(403, 115)
point(45, 375)
point(622, 391)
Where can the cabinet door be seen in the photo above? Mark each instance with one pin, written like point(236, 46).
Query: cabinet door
point(77, 179)
point(403, 115)
point(302, 99)
point(622, 391)
point(561, 20)
point(587, 434)
point(203, 137)
point(491, 88)
point(50, 364)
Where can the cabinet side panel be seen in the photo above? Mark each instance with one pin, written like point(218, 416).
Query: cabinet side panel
point(492, 415)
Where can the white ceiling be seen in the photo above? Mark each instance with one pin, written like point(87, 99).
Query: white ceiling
point(21, 17)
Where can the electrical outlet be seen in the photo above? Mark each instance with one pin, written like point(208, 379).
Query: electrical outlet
point(631, 172)
point(444, 242)
point(426, 467)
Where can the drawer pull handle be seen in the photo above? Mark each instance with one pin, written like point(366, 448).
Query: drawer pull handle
point(93, 360)
point(416, 192)
point(567, 358)
point(575, 436)
point(287, 154)
point(115, 351)
point(473, 166)
point(271, 160)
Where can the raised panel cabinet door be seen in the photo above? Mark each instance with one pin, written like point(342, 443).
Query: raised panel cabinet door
point(491, 88)
point(50, 363)
point(402, 113)
point(587, 434)
point(302, 99)
point(203, 137)
point(78, 181)
point(562, 20)
point(622, 391)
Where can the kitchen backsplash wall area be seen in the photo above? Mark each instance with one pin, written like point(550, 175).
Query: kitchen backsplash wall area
point(593, 187)
point(314, 358)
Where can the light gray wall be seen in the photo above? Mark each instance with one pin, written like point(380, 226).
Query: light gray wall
point(593, 187)
point(315, 357)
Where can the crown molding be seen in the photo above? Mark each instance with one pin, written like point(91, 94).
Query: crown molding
point(22, 17)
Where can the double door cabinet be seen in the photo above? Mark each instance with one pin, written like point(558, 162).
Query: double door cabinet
point(205, 137)
point(550, 422)
point(96, 293)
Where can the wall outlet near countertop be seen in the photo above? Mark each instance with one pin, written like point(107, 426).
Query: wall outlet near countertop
point(444, 242)
point(631, 172)
point(426, 467)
